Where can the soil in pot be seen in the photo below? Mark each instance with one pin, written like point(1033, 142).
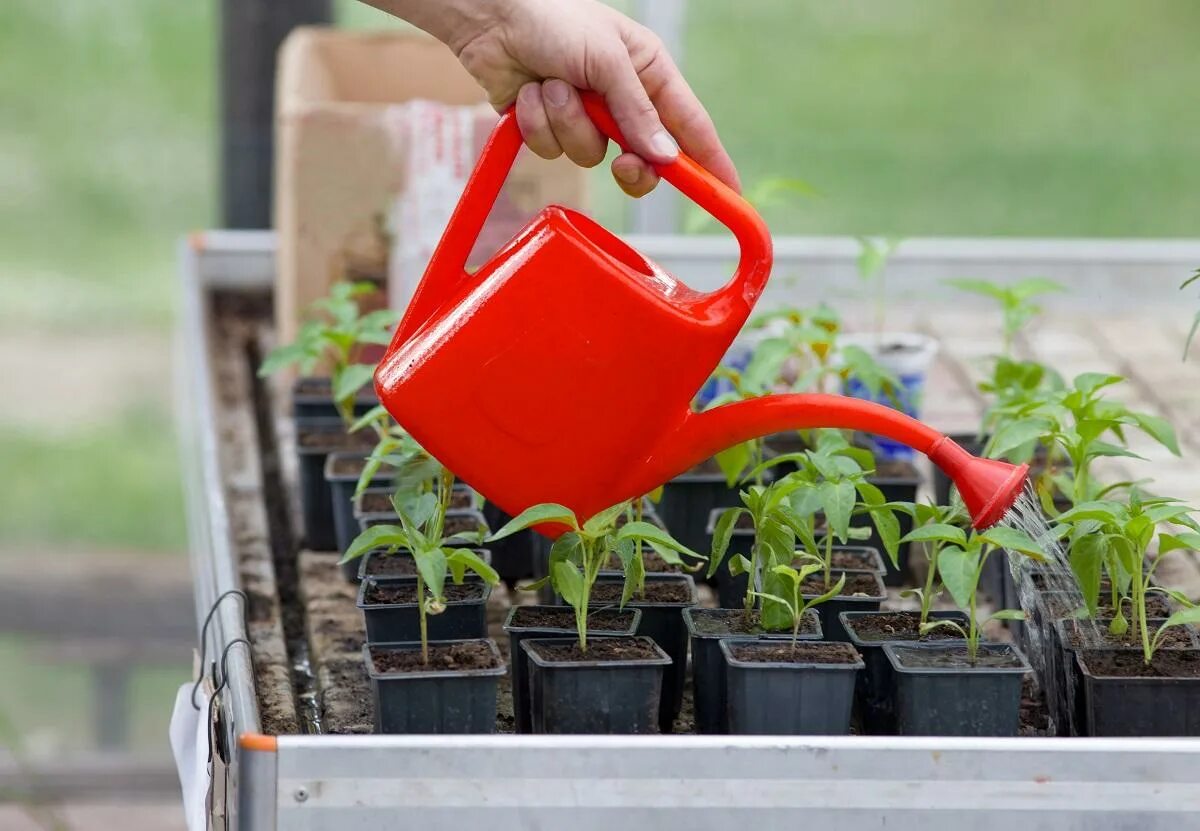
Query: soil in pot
point(455, 692)
point(612, 688)
point(525, 622)
point(940, 692)
point(1127, 697)
point(706, 629)
point(390, 611)
point(651, 560)
point(379, 501)
point(314, 442)
point(776, 687)
point(863, 592)
point(662, 604)
point(874, 694)
point(342, 472)
point(382, 565)
point(313, 398)
point(457, 522)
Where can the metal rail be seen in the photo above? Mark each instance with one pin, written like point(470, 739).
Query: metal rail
point(668, 782)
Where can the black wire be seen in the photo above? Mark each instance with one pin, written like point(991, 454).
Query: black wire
point(204, 636)
point(223, 683)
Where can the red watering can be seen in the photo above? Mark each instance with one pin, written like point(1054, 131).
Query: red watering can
point(563, 370)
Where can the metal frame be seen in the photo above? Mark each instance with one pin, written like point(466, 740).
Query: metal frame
point(693, 782)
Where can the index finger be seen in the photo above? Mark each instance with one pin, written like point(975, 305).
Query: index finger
point(685, 117)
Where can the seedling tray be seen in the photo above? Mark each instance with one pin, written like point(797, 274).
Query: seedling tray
point(280, 763)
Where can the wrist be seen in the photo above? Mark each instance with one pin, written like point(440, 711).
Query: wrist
point(454, 22)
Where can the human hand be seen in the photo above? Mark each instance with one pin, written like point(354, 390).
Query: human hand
point(539, 52)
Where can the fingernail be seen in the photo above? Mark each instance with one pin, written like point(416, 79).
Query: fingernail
point(555, 93)
point(664, 145)
point(628, 175)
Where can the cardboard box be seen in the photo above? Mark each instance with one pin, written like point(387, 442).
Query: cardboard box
point(364, 175)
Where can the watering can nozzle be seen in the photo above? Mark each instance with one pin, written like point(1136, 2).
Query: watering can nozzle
point(988, 487)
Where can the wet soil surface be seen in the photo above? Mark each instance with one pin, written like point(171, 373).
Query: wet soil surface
point(381, 503)
point(391, 565)
point(651, 561)
point(857, 585)
point(604, 620)
point(458, 656)
point(1171, 663)
point(898, 626)
point(385, 594)
point(335, 440)
point(1035, 715)
point(1096, 634)
point(956, 657)
point(802, 652)
point(607, 649)
point(656, 591)
point(739, 622)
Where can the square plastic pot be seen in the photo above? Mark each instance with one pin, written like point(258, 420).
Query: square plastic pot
point(705, 633)
point(830, 610)
point(315, 440)
point(663, 623)
point(400, 622)
point(342, 485)
point(1122, 707)
point(365, 565)
point(957, 700)
point(875, 694)
point(605, 697)
point(436, 702)
point(805, 696)
point(312, 398)
point(517, 633)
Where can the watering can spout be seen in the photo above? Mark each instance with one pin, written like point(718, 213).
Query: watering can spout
point(988, 487)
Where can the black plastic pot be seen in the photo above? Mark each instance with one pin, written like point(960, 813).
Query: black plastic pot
point(398, 622)
point(313, 398)
point(874, 696)
point(364, 565)
point(1118, 707)
point(706, 629)
point(512, 557)
point(607, 697)
point(806, 695)
point(315, 440)
point(520, 663)
point(437, 702)
point(663, 622)
point(687, 501)
point(957, 699)
point(342, 485)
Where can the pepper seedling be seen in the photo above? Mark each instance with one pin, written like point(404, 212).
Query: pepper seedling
point(335, 333)
point(1115, 537)
point(1015, 300)
point(583, 550)
point(960, 564)
point(936, 526)
point(795, 604)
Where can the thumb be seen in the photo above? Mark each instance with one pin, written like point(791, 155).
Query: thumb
point(615, 78)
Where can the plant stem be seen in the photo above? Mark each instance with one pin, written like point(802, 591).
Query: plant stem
point(828, 554)
point(927, 595)
point(421, 617)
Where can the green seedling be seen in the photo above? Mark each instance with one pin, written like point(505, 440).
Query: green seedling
point(1075, 422)
point(1116, 537)
point(422, 522)
point(1191, 335)
point(873, 256)
point(935, 528)
point(582, 550)
point(334, 335)
point(1015, 301)
point(960, 564)
point(795, 604)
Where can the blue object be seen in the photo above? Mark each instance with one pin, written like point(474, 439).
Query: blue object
point(907, 399)
point(738, 357)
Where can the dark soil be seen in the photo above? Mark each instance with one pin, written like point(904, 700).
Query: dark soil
point(1064, 606)
point(651, 561)
point(335, 440)
point(897, 626)
point(606, 649)
point(604, 620)
point(348, 465)
point(391, 565)
point(656, 591)
point(801, 652)
point(1177, 637)
point(956, 658)
point(451, 657)
point(387, 594)
point(259, 607)
point(855, 560)
point(1171, 663)
point(1035, 716)
point(739, 622)
point(857, 585)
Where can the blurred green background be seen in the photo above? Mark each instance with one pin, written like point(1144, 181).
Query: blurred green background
point(911, 117)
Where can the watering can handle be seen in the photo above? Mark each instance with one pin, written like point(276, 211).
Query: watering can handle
point(448, 264)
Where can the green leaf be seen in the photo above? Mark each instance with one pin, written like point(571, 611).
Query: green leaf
point(1187, 541)
point(605, 520)
point(1033, 286)
point(1087, 555)
point(832, 592)
point(431, 564)
point(733, 461)
point(980, 287)
point(1089, 382)
point(377, 413)
point(537, 515)
point(377, 536)
point(567, 548)
point(956, 569)
point(351, 379)
point(938, 532)
point(1016, 434)
point(838, 499)
point(1007, 614)
point(739, 565)
point(635, 575)
point(655, 535)
point(722, 534)
point(465, 557)
point(1106, 512)
point(1013, 540)
point(1158, 429)
point(1183, 617)
point(568, 582)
